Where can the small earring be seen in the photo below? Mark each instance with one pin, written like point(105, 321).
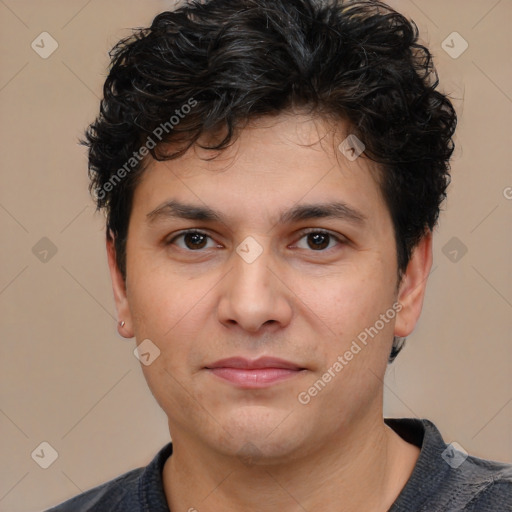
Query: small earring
point(122, 323)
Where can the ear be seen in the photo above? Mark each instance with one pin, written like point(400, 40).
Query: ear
point(413, 285)
point(119, 288)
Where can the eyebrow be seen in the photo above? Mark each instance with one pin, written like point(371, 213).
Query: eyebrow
point(173, 209)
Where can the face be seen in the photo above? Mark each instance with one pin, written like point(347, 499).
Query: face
point(227, 259)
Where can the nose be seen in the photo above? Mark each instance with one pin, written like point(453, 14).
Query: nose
point(253, 297)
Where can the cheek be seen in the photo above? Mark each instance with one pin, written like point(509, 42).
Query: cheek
point(177, 314)
point(347, 302)
point(351, 307)
point(160, 297)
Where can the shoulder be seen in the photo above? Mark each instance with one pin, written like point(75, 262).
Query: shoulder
point(446, 478)
point(135, 491)
point(476, 484)
point(114, 495)
point(488, 485)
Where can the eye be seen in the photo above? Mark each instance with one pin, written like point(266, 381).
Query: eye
point(319, 240)
point(315, 239)
point(193, 240)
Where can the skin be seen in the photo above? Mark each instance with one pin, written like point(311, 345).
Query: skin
point(261, 449)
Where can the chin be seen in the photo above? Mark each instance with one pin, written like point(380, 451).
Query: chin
point(260, 437)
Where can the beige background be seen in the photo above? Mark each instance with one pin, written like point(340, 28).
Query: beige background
point(68, 379)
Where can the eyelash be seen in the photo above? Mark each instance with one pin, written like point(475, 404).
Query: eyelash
point(306, 232)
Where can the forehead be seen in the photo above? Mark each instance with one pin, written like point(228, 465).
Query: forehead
point(274, 163)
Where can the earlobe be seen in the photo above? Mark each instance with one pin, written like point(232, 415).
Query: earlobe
point(412, 288)
point(124, 324)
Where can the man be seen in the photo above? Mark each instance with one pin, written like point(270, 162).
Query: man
point(272, 171)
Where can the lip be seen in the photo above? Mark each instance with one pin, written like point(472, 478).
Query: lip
point(257, 373)
point(256, 364)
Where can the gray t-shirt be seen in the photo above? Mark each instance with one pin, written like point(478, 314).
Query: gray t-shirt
point(444, 480)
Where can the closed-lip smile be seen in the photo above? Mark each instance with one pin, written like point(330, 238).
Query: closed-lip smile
point(257, 373)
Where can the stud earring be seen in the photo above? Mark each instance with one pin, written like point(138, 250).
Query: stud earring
point(122, 323)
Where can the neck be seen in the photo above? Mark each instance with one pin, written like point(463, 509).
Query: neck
point(350, 472)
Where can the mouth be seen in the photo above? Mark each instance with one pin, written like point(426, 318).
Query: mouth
point(257, 373)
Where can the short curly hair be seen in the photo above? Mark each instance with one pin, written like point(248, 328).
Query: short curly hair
point(211, 66)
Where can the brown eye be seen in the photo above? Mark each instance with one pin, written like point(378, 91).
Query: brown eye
point(191, 240)
point(318, 240)
point(195, 240)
